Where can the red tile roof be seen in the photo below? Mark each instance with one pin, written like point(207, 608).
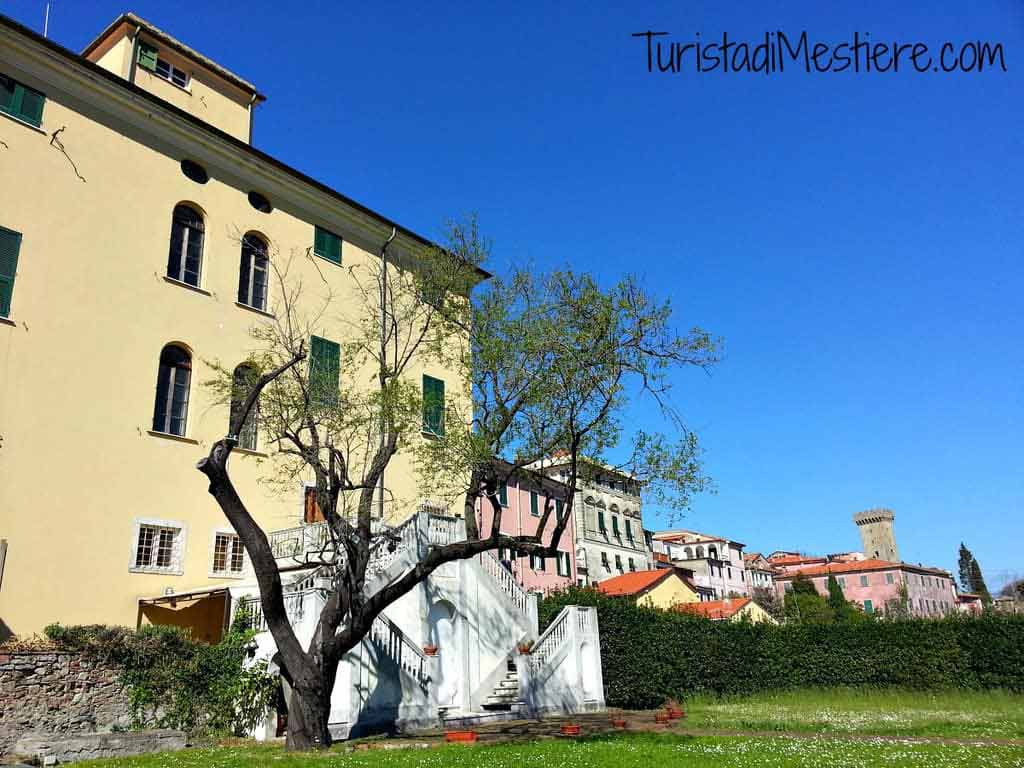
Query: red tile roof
point(661, 557)
point(634, 583)
point(795, 560)
point(715, 609)
point(861, 565)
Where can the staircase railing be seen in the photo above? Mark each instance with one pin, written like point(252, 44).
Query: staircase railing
point(551, 640)
point(294, 608)
point(392, 545)
point(504, 579)
point(400, 649)
point(297, 541)
point(442, 529)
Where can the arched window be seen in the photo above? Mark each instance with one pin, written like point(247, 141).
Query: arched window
point(712, 553)
point(172, 381)
point(185, 260)
point(700, 553)
point(252, 274)
point(244, 378)
point(689, 553)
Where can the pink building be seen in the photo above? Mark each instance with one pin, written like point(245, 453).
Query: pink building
point(522, 501)
point(875, 585)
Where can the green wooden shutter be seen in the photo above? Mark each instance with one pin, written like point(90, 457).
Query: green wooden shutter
point(327, 245)
point(503, 494)
point(147, 56)
point(558, 510)
point(324, 369)
point(31, 108)
point(10, 245)
point(533, 504)
point(433, 405)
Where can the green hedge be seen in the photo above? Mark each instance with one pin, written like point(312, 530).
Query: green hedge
point(650, 656)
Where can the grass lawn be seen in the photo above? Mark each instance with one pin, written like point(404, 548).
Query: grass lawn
point(625, 751)
point(957, 714)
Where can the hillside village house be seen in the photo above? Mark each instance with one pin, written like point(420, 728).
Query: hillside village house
point(662, 588)
point(717, 563)
point(729, 609)
point(760, 574)
point(609, 529)
point(172, 218)
point(522, 502)
point(875, 585)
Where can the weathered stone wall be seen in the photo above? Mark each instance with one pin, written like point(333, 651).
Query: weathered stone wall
point(47, 693)
point(71, 749)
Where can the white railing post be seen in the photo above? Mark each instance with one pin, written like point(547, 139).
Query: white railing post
point(532, 612)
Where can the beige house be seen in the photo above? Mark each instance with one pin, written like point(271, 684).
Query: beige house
point(662, 588)
point(136, 225)
point(729, 609)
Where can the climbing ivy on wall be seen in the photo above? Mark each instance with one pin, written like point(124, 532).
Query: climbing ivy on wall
point(649, 656)
point(176, 682)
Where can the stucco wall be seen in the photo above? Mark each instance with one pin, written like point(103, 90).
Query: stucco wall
point(669, 592)
point(91, 311)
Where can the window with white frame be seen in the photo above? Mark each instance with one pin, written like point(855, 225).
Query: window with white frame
point(157, 547)
point(562, 563)
point(537, 563)
point(228, 554)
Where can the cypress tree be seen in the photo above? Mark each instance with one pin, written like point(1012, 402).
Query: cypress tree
point(836, 598)
point(978, 585)
point(965, 568)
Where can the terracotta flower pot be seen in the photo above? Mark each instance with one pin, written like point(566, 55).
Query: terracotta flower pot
point(618, 723)
point(525, 649)
point(661, 717)
point(675, 714)
point(430, 650)
point(460, 736)
point(570, 729)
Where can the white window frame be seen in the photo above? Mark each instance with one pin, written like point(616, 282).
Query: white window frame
point(176, 568)
point(228, 574)
point(171, 69)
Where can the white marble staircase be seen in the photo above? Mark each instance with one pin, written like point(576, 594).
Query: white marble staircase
point(505, 697)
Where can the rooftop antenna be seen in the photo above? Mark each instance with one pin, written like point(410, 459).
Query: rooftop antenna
point(46, 20)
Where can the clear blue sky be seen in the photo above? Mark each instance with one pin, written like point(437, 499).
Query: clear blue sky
point(856, 239)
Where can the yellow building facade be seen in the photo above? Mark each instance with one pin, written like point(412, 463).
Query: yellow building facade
point(90, 180)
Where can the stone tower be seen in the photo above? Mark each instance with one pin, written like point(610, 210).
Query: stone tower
point(876, 534)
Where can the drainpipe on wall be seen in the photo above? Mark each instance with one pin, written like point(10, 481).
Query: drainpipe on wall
point(135, 55)
point(383, 343)
point(252, 103)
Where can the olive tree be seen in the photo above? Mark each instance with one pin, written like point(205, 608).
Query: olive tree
point(547, 364)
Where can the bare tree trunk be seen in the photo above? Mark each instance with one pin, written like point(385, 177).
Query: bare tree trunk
point(307, 720)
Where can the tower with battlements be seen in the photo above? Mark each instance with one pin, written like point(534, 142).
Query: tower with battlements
point(876, 534)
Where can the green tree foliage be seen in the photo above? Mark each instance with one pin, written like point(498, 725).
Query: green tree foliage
point(650, 656)
point(768, 598)
point(176, 682)
point(964, 565)
point(978, 585)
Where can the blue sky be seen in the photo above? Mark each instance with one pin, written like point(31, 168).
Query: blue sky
point(856, 239)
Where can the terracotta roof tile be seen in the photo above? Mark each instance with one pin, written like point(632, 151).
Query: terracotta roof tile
point(715, 609)
point(859, 565)
point(633, 583)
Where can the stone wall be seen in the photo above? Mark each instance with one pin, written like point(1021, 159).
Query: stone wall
point(47, 693)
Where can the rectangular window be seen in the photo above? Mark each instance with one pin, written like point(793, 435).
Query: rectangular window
point(537, 563)
point(559, 510)
point(327, 245)
point(600, 522)
point(171, 73)
point(629, 531)
point(147, 56)
point(562, 563)
point(615, 527)
point(868, 607)
point(632, 565)
point(618, 563)
point(503, 494)
point(842, 582)
point(324, 369)
point(433, 406)
point(228, 554)
point(604, 561)
point(534, 510)
point(10, 247)
point(863, 581)
point(888, 578)
point(156, 548)
point(20, 101)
